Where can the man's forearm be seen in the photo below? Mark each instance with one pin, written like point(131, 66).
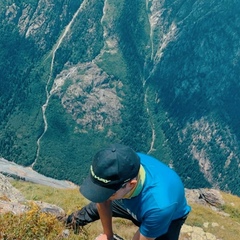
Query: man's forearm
point(105, 213)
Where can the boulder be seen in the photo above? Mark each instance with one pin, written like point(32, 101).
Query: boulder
point(11, 200)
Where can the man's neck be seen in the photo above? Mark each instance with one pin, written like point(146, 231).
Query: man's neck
point(138, 187)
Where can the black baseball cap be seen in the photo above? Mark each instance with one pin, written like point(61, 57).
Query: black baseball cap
point(111, 168)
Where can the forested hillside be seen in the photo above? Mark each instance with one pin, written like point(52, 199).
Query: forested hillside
point(159, 76)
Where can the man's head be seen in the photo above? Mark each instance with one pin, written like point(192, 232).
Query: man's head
point(111, 168)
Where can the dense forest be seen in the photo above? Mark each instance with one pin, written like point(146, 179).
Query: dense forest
point(161, 77)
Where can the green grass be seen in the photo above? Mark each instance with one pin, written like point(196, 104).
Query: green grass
point(227, 219)
point(67, 199)
point(70, 200)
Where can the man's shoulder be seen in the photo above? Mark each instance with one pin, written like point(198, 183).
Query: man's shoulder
point(146, 157)
point(148, 160)
point(158, 173)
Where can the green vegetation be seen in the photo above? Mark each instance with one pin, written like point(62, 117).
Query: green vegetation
point(20, 120)
point(168, 74)
point(66, 150)
point(67, 153)
point(48, 226)
point(44, 226)
point(157, 117)
point(31, 225)
point(35, 224)
point(222, 227)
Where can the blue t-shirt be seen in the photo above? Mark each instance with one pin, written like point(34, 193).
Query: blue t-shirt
point(161, 200)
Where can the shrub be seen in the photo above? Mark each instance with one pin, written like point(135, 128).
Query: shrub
point(32, 224)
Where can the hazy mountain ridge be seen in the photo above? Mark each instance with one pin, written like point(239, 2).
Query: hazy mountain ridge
point(160, 76)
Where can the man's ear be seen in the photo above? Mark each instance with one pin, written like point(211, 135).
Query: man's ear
point(133, 182)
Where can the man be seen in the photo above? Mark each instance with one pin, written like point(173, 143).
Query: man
point(134, 186)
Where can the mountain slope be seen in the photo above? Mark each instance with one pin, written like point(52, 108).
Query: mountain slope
point(159, 76)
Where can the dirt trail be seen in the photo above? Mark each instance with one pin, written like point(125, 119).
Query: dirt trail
point(30, 175)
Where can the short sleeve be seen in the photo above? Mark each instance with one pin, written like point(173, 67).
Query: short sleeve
point(157, 221)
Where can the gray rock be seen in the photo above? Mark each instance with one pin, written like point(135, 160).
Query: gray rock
point(8, 192)
point(11, 200)
point(202, 196)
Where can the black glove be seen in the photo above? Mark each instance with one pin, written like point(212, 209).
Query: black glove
point(73, 221)
point(116, 237)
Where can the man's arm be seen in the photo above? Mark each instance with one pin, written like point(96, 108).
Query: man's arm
point(105, 213)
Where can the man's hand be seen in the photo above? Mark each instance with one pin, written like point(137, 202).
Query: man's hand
point(102, 237)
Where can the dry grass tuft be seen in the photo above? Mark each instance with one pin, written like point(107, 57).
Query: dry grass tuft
point(224, 223)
